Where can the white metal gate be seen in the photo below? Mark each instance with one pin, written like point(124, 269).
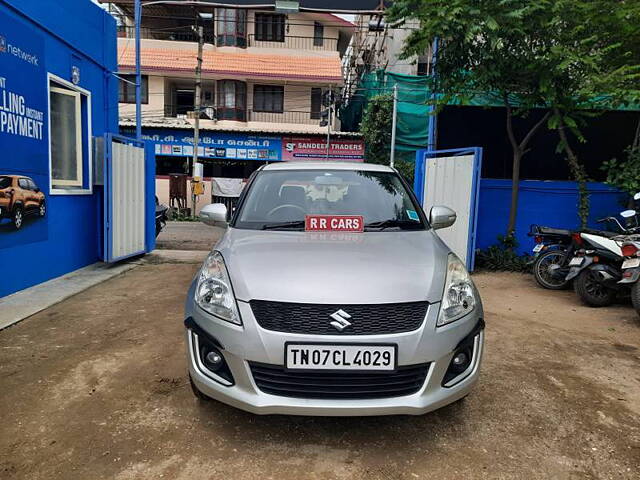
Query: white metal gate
point(453, 181)
point(124, 192)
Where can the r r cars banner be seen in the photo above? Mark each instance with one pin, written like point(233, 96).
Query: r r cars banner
point(24, 160)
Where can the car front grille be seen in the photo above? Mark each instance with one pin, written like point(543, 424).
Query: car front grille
point(315, 319)
point(276, 380)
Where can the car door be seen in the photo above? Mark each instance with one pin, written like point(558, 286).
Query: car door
point(35, 193)
point(25, 193)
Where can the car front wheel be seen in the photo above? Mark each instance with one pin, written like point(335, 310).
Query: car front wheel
point(17, 217)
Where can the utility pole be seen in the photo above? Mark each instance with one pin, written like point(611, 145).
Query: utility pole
point(393, 125)
point(196, 128)
point(138, 21)
point(329, 115)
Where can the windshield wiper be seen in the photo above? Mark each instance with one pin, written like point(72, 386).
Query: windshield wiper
point(283, 225)
point(394, 223)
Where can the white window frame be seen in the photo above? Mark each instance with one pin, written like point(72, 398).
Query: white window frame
point(77, 92)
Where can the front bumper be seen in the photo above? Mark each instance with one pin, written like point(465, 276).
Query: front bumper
point(240, 345)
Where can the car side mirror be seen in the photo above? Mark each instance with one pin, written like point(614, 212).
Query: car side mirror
point(214, 215)
point(441, 217)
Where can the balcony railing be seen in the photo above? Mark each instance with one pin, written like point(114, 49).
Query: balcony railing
point(296, 43)
point(248, 115)
point(297, 117)
point(327, 44)
point(183, 35)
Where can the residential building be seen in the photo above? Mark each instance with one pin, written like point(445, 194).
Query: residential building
point(265, 83)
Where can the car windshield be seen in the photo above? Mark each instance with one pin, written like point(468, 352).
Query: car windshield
point(280, 200)
point(5, 182)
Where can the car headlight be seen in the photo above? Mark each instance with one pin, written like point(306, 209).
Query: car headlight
point(213, 290)
point(459, 296)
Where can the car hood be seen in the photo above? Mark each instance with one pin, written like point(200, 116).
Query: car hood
point(308, 267)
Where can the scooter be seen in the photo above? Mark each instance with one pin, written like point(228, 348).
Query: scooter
point(596, 267)
point(631, 269)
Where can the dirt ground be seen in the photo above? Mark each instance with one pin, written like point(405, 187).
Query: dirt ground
point(96, 388)
point(187, 236)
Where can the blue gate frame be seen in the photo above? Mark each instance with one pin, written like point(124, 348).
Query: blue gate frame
point(419, 183)
point(149, 197)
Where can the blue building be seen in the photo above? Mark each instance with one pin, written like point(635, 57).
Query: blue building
point(57, 95)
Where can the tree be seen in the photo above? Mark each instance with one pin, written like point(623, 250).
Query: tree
point(376, 131)
point(548, 58)
point(376, 128)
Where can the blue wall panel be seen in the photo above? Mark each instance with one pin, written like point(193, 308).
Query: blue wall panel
point(552, 204)
point(76, 32)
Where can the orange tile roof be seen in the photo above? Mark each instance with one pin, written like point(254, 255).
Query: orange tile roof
point(231, 63)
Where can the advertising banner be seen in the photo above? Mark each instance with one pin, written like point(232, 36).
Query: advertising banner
point(24, 163)
point(218, 145)
point(310, 148)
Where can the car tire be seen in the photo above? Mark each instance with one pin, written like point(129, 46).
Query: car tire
point(592, 292)
point(541, 270)
point(17, 217)
point(197, 393)
point(42, 209)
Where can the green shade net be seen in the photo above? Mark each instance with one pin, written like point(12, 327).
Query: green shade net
point(413, 109)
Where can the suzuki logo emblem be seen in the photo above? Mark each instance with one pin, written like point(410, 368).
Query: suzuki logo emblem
point(341, 320)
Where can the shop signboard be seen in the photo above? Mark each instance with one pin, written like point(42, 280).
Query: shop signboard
point(222, 146)
point(310, 148)
point(24, 163)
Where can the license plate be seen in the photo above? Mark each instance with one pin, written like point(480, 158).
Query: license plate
point(576, 261)
point(538, 248)
point(631, 263)
point(340, 357)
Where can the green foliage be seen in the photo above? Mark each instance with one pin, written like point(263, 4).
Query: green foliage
point(562, 55)
point(624, 174)
point(376, 129)
point(502, 256)
point(406, 169)
point(175, 215)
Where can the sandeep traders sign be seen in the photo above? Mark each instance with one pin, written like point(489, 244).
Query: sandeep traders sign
point(310, 148)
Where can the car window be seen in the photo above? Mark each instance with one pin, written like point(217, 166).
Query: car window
point(22, 183)
point(32, 185)
point(5, 182)
point(289, 195)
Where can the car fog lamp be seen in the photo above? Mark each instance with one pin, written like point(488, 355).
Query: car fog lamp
point(213, 360)
point(460, 359)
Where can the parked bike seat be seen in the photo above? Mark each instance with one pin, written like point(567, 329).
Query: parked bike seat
point(602, 233)
point(553, 231)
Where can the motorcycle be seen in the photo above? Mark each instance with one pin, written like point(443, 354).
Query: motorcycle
point(161, 216)
point(551, 254)
point(596, 267)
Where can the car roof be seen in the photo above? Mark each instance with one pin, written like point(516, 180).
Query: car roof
point(357, 166)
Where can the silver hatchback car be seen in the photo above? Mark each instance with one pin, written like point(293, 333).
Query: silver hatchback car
point(331, 294)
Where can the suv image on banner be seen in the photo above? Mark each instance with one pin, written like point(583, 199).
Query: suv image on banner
point(19, 197)
point(330, 293)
